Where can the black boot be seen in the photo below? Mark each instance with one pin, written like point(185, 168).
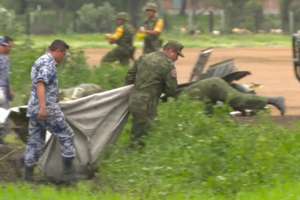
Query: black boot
point(69, 175)
point(279, 103)
point(1, 141)
point(28, 174)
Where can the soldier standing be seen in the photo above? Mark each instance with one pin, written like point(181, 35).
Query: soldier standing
point(152, 29)
point(6, 93)
point(152, 75)
point(45, 113)
point(123, 38)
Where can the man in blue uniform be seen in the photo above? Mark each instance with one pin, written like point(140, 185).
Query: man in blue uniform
point(45, 113)
point(6, 93)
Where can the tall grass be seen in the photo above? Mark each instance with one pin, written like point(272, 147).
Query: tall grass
point(190, 153)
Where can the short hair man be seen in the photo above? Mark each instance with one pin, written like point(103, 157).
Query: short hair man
point(45, 113)
point(123, 37)
point(6, 94)
point(152, 28)
point(152, 75)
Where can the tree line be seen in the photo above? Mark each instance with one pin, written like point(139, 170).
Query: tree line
point(237, 13)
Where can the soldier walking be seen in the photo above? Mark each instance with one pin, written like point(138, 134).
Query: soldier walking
point(6, 94)
point(152, 75)
point(152, 28)
point(123, 38)
point(45, 113)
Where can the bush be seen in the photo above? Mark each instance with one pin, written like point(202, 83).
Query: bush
point(9, 24)
point(42, 22)
point(95, 19)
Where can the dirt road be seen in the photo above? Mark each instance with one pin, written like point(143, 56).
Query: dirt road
point(271, 67)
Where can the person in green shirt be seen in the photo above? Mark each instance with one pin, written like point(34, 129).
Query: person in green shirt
point(152, 29)
point(123, 38)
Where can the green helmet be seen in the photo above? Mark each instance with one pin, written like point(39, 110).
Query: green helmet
point(122, 15)
point(172, 44)
point(151, 6)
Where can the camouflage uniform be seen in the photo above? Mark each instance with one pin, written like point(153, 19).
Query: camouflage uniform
point(123, 37)
point(152, 42)
point(153, 74)
point(4, 86)
point(44, 69)
point(212, 90)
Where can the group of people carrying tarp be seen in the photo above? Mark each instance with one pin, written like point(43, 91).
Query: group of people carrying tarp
point(83, 127)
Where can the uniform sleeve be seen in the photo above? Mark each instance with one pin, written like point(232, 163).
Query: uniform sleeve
point(171, 82)
point(45, 74)
point(159, 26)
point(118, 33)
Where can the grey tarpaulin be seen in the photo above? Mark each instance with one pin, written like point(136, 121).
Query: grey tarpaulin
point(96, 120)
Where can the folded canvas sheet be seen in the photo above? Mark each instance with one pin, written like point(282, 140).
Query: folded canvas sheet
point(96, 120)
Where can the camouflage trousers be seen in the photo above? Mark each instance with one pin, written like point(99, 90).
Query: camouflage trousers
point(142, 108)
point(121, 54)
point(216, 89)
point(4, 103)
point(36, 141)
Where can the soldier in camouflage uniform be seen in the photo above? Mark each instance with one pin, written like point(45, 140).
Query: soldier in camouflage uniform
point(6, 93)
point(45, 113)
point(152, 29)
point(123, 38)
point(152, 75)
point(215, 89)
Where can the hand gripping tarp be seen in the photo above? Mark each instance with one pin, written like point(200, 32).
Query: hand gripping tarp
point(96, 120)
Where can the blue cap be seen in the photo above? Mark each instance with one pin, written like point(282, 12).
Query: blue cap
point(3, 41)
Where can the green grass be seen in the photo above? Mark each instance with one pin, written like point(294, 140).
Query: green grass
point(280, 191)
point(188, 154)
point(200, 41)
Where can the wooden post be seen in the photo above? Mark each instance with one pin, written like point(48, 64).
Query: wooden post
point(291, 22)
point(211, 21)
point(223, 21)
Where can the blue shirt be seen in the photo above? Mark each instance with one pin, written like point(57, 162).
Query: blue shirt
point(44, 69)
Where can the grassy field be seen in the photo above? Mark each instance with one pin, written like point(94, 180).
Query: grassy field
point(188, 155)
point(200, 41)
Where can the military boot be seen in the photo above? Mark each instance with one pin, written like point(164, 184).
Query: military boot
point(279, 103)
point(1, 141)
point(28, 174)
point(69, 175)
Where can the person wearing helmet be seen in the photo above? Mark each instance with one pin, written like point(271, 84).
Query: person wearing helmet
point(153, 27)
point(152, 75)
point(123, 38)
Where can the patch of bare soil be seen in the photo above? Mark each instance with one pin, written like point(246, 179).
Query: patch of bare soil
point(270, 67)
